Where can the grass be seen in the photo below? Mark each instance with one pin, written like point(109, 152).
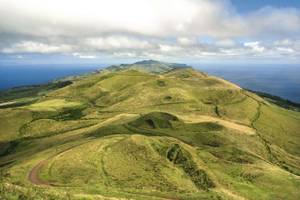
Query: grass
point(127, 133)
point(123, 163)
point(183, 159)
point(11, 120)
point(46, 127)
point(31, 91)
point(278, 101)
point(53, 105)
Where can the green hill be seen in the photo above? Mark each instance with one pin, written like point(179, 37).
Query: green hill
point(150, 66)
point(148, 130)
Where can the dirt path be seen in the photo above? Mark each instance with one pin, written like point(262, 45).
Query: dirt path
point(34, 174)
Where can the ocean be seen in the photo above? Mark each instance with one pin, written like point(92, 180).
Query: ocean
point(21, 75)
point(279, 80)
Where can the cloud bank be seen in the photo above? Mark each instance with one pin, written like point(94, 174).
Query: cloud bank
point(147, 28)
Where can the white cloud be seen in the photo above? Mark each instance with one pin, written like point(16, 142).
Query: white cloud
point(225, 43)
point(125, 54)
point(274, 21)
point(117, 42)
point(255, 46)
point(285, 50)
point(185, 41)
point(36, 47)
point(288, 44)
point(168, 48)
point(79, 55)
point(147, 17)
point(284, 42)
point(89, 28)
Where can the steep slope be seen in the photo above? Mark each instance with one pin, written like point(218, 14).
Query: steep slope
point(149, 130)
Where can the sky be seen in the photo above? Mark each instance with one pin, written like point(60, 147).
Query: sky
point(102, 31)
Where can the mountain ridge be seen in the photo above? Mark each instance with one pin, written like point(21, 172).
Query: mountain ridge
point(148, 130)
point(150, 66)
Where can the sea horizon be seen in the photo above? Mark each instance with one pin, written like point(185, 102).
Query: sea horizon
point(276, 79)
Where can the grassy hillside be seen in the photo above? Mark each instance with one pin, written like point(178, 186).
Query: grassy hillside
point(149, 130)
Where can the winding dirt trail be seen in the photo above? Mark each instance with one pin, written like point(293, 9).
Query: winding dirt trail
point(33, 176)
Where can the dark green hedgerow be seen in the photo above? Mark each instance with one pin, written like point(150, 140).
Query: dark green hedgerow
point(31, 90)
point(182, 159)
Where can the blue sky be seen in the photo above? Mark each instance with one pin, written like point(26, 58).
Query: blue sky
point(245, 6)
point(101, 31)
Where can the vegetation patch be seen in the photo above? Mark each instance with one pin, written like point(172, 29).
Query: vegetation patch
point(161, 83)
point(8, 147)
point(53, 105)
point(32, 90)
point(183, 159)
point(250, 175)
point(233, 154)
point(47, 127)
point(167, 98)
point(204, 127)
point(155, 120)
point(120, 162)
point(285, 103)
point(70, 114)
point(212, 82)
point(11, 120)
point(18, 103)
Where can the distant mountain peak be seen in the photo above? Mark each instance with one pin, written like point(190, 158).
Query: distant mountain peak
point(147, 62)
point(152, 66)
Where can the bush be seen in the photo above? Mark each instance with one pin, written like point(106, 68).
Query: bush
point(183, 159)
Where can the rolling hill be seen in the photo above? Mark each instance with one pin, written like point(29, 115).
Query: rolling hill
point(148, 130)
